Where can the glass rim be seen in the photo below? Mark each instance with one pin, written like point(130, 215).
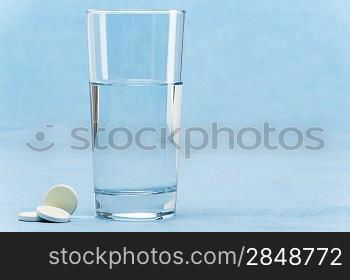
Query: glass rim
point(135, 11)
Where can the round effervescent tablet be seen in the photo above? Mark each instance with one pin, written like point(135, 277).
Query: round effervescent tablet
point(31, 216)
point(53, 214)
point(62, 196)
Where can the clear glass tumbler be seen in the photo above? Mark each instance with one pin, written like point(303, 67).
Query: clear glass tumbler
point(135, 60)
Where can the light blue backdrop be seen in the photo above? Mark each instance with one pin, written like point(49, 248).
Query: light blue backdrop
point(245, 63)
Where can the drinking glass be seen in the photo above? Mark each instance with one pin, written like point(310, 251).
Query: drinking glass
point(135, 60)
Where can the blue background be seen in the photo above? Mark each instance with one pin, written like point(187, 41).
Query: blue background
point(245, 63)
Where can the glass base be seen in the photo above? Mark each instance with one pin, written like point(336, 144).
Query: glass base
point(135, 206)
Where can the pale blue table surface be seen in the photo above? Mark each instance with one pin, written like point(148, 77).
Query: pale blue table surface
point(218, 190)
